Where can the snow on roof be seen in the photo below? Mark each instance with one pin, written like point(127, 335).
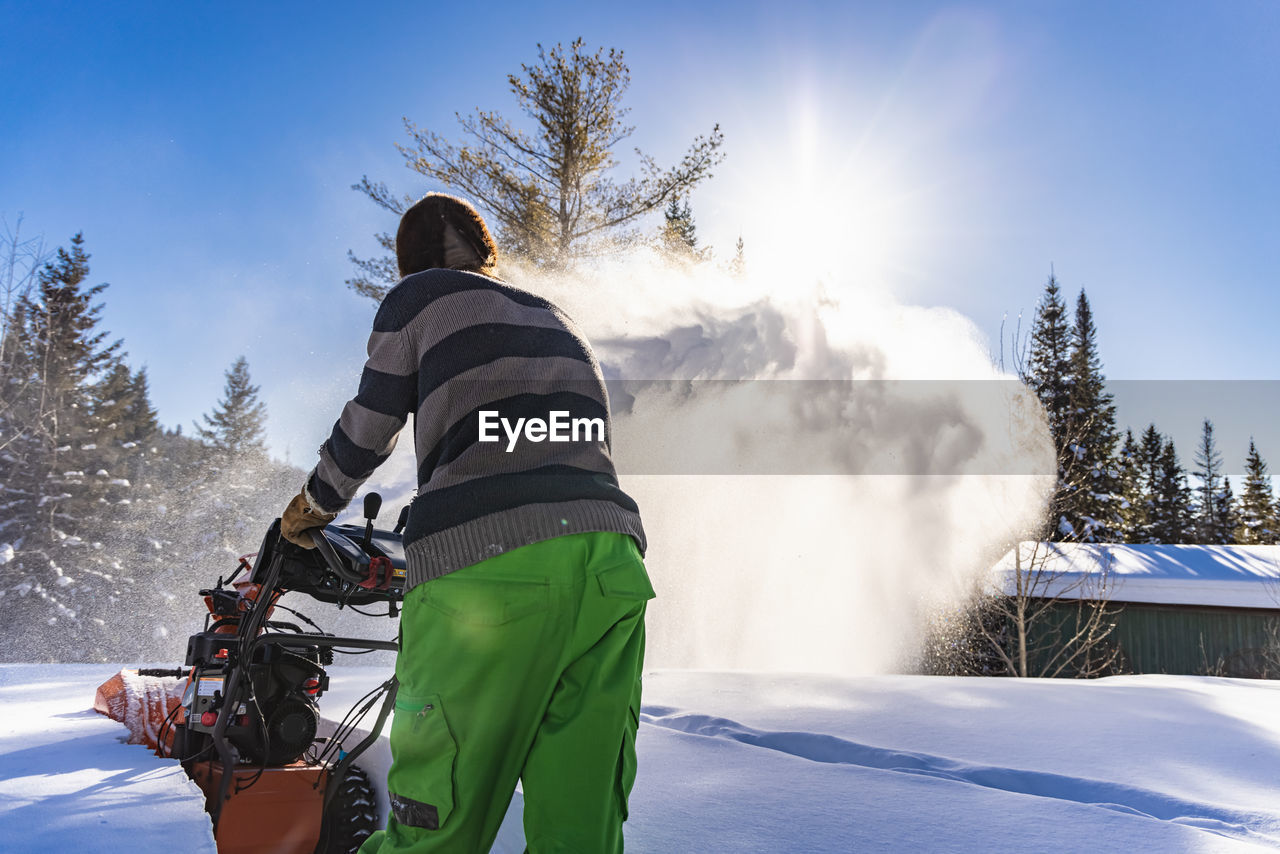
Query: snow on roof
point(1221, 576)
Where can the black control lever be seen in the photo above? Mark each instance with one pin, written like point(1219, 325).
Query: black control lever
point(372, 504)
point(403, 520)
point(331, 557)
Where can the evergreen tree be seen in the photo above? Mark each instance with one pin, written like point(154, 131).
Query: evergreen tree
point(1092, 486)
point(106, 520)
point(1065, 372)
point(1209, 511)
point(1048, 374)
point(238, 424)
point(64, 489)
point(105, 455)
point(738, 266)
point(141, 419)
point(678, 234)
point(1132, 516)
point(1049, 364)
point(65, 354)
point(1173, 521)
point(1149, 508)
point(1258, 524)
point(1228, 513)
point(547, 188)
point(20, 447)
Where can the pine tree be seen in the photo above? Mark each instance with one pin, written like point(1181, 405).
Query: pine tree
point(1258, 525)
point(66, 353)
point(1148, 510)
point(1132, 516)
point(105, 457)
point(141, 418)
point(1048, 374)
point(547, 188)
point(1208, 511)
point(1172, 521)
point(62, 498)
point(237, 426)
point(678, 235)
point(1049, 364)
point(1092, 485)
point(1228, 518)
point(106, 519)
point(738, 265)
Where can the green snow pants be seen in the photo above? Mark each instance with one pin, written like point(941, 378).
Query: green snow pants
point(525, 666)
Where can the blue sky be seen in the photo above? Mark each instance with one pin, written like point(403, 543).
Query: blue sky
point(206, 151)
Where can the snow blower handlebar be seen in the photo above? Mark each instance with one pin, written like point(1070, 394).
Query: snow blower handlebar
point(336, 565)
point(367, 562)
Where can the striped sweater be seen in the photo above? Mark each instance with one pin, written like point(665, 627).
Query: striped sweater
point(463, 352)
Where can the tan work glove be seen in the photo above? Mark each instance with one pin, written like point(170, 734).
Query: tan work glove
point(299, 518)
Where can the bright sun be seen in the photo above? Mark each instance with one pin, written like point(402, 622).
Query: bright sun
point(819, 203)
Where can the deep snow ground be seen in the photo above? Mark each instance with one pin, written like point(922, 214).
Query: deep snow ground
point(741, 762)
point(68, 782)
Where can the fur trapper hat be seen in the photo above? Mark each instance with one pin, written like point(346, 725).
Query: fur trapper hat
point(444, 231)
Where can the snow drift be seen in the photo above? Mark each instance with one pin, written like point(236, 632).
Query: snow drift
point(743, 762)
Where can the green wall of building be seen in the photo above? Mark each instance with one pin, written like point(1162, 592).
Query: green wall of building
point(1188, 639)
point(1183, 639)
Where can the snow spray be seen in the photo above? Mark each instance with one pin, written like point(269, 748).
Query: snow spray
point(818, 466)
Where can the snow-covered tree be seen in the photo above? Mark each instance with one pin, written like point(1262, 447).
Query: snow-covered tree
point(65, 355)
point(1132, 515)
point(1258, 524)
point(1047, 372)
point(1161, 510)
point(1064, 370)
point(62, 496)
point(1148, 508)
point(1228, 510)
point(1091, 480)
point(109, 525)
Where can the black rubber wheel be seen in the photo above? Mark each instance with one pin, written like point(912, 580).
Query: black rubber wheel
point(353, 814)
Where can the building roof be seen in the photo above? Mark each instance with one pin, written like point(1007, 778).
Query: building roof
point(1220, 576)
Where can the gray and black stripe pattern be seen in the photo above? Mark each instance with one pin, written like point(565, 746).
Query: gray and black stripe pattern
point(447, 344)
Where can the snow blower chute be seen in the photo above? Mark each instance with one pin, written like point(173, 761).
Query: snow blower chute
point(242, 714)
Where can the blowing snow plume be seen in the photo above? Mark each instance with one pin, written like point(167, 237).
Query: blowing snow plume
point(817, 472)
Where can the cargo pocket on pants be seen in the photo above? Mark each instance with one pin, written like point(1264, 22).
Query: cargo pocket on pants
point(626, 581)
point(627, 759)
point(420, 783)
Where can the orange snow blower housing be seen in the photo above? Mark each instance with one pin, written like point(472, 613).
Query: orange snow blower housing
point(242, 714)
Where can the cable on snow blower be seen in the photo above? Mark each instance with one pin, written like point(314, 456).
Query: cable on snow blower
point(244, 723)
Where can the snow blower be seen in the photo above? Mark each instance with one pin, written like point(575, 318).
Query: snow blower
point(242, 714)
